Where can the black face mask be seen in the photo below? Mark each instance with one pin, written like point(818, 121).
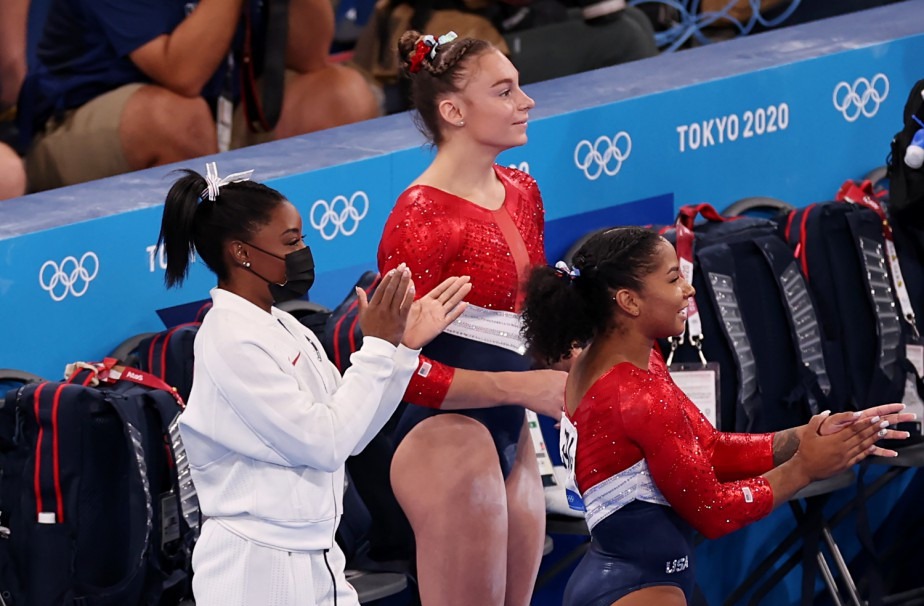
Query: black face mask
point(299, 274)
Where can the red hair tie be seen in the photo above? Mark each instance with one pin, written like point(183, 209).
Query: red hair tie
point(426, 49)
point(424, 45)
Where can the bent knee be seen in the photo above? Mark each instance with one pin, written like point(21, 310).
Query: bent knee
point(356, 99)
point(153, 112)
point(12, 174)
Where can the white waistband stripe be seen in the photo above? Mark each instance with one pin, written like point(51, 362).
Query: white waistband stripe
point(614, 493)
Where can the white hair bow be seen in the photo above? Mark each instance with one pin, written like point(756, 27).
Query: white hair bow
point(214, 182)
point(571, 272)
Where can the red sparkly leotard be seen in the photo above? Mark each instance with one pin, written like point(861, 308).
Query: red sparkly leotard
point(440, 235)
point(635, 426)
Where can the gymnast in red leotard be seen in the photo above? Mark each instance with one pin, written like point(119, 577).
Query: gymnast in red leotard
point(649, 466)
point(464, 469)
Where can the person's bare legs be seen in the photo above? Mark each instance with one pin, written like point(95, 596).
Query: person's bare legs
point(331, 96)
point(323, 94)
point(525, 523)
point(14, 15)
point(12, 173)
point(446, 476)
point(662, 595)
point(159, 127)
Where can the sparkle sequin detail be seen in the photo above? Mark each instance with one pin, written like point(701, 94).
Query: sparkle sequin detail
point(439, 235)
point(631, 414)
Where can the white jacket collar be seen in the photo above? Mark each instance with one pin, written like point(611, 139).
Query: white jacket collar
point(225, 299)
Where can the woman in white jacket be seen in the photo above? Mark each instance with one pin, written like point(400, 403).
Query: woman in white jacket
point(270, 421)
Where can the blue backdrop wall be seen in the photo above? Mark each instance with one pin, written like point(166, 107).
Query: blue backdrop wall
point(788, 114)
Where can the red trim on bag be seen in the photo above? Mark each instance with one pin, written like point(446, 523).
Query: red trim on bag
point(352, 336)
point(862, 195)
point(151, 350)
point(163, 351)
point(91, 374)
point(38, 450)
point(59, 499)
point(337, 359)
point(792, 215)
point(803, 251)
point(687, 214)
point(200, 315)
point(163, 354)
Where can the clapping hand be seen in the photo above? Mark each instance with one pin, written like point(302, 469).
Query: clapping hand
point(436, 310)
point(884, 416)
point(385, 315)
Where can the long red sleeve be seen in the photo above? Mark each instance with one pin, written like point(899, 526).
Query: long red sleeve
point(734, 456)
point(631, 414)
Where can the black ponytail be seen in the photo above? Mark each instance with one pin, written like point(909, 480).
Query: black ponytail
point(566, 309)
point(176, 226)
point(193, 223)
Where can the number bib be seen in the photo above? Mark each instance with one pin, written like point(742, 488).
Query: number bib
point(568, 445)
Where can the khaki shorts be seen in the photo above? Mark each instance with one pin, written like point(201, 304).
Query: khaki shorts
point(85, 143)
point(82, 145)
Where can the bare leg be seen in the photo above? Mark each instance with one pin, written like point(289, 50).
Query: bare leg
point(661, 595)
point(160, 127)
point(13, 18)
point(322, 95)
point(447, 478)
point(12, 174)
point(526, 523)
point(331, 96)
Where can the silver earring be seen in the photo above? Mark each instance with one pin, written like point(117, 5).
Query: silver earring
point(247, 264)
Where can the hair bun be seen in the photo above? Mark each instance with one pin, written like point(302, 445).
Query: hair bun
point(407, 45)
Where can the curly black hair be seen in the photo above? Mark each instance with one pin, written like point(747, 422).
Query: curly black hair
point(562, 311)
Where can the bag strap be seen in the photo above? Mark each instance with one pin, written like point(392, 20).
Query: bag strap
point(110, 371)
point(187, 497)
point(801, 250)
point(46, 480)
point(139, 500)
point(688, 214)
point(721, 284)
point(862, 195)
point(685, 243)
point(801, 317)
point(263, 113)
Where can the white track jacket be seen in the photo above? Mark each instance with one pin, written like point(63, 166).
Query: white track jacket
point(270, 422)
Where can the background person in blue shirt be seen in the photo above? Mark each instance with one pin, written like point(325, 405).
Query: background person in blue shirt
point(123, 85)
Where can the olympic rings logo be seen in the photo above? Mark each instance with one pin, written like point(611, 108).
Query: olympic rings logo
point(522, 167)
point(863, 97)
point(340, 215)
point(603, 156)
point(70, 277)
